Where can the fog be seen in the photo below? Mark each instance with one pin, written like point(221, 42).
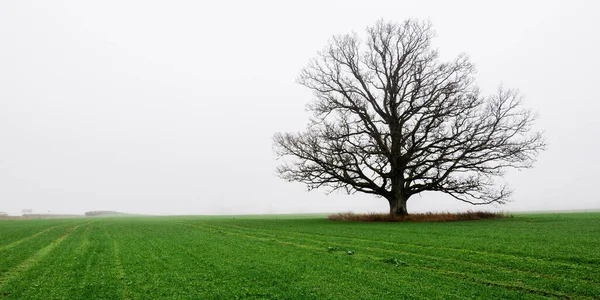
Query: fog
point(169, 107)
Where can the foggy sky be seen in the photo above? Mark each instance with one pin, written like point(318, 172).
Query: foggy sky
point(169, 107)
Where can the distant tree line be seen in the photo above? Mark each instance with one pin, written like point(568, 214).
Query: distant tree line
point(45, 216)
point(102, 213)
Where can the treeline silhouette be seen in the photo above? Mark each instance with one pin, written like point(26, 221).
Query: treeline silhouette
point(103, 213)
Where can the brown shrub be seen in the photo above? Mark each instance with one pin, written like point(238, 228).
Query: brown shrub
point(420, 217)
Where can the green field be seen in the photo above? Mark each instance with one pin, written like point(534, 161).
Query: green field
point(528, 256)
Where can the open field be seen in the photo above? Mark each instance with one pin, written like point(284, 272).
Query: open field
point(528, 256)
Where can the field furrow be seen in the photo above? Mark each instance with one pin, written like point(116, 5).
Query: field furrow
point(257, 245)
point(18, 231)
point(484, 274)
point(528, 257)
point(35, 258)
point(549, 268)
point(562, 268)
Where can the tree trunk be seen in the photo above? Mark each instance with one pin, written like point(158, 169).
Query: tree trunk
point(398, 206)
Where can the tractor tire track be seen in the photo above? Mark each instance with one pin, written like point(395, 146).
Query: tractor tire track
point(444, 293)
point(519, 275)
point(25, 239)
point(459, 275)
point(561, 267)
point(36, 257)
point(120, 271)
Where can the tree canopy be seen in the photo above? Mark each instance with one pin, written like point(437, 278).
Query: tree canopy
point(392, 120)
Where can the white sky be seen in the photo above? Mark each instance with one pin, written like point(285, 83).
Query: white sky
point(168, 107)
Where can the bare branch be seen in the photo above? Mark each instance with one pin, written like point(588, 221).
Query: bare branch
point(391, 120)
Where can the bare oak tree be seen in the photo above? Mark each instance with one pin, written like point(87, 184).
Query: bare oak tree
point(391, 119)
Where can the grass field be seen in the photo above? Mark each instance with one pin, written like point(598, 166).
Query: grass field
point(528, 256)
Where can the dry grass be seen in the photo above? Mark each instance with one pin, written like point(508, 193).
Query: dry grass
point(422, 217)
